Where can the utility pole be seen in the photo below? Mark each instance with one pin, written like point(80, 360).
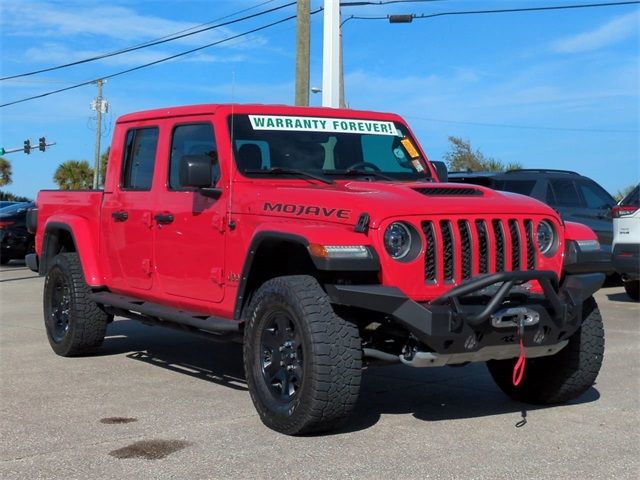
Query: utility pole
point(100, 106)
point(331, 54)
point(302, 52)
point(341, 101)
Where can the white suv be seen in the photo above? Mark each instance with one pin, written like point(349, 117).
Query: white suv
point(626, 241)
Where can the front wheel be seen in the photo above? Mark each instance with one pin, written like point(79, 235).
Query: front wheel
point(302, 362)
point(563, 376)
point(75, 324)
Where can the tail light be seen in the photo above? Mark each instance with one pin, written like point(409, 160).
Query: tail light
point(623, 210)
point(6, 223)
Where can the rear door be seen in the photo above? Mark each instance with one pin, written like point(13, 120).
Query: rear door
point(189, 238)
point(127, 211)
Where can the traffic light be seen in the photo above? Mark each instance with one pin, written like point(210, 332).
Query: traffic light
point(27, 147)
point(2, 151)
point(42, 144)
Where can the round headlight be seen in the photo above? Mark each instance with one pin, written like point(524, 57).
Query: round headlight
point(397, 240)
point(545, 237)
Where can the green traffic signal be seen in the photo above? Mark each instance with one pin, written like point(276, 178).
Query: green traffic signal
point(2, 151)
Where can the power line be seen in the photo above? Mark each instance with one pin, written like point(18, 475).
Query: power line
point(524, 127)
point(502, 10)
point(385, 2)
point(209, 23)
point(162, 60)
point(159, 41)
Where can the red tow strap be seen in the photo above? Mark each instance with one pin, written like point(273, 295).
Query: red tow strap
point(518, 368)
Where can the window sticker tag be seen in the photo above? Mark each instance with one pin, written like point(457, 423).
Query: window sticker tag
point(411, 150)
point(399, 153)
point(417, 165)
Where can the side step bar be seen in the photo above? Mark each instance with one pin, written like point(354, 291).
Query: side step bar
point(157, 314)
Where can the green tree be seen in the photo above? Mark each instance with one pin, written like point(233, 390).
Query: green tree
point(461, 157)
point(104, 159)
point(13, 198)
point(620, 194)
point(74, 175)
point(5, 172)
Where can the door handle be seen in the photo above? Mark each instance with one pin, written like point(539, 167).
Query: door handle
point(120, 216)
point(163, 218)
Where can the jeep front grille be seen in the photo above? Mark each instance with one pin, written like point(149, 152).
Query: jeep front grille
point(457, 249)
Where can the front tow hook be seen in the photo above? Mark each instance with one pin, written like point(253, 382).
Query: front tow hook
point(515, 317)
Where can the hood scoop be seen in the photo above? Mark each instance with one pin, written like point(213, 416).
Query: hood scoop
point(449, 191)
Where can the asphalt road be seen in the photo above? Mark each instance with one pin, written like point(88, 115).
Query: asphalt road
point(157, 404)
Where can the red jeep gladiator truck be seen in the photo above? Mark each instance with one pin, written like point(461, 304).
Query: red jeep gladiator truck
point(323, 239)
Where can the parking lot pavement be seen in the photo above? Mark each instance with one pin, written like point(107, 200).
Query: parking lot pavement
point(182, 402)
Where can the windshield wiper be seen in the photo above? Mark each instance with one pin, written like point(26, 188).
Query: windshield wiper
point(292, 171)
point(360, 172)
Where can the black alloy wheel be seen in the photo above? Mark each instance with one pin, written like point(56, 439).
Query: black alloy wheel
point(282, 356)
point(60, 309)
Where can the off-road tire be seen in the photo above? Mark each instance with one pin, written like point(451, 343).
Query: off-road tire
point(75, 324)
point(563, 376)
point(633, 289)
point(329, 347)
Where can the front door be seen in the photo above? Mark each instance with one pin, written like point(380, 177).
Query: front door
point(189, 237)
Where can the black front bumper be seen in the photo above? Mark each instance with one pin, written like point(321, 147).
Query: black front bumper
point(463, 320)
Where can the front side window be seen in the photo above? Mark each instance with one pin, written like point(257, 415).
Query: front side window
point(139, 158)
point(325, 146)
point(192, 139)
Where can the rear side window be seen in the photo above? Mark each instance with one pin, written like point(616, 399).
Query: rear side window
point(193, 139)
point(565, 194)
point(595, 197)
point(139, 158)
point(633, 198)
point(523, 187)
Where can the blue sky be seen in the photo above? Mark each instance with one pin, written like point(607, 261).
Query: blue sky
point(556, 89)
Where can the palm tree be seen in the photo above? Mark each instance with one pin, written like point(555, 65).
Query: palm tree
point(5, 172)
point(74, 175)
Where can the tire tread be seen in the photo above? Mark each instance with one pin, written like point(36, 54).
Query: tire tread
point(88, 323)
point(336, 364)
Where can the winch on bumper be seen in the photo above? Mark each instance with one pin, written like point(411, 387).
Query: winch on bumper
point(479, 319)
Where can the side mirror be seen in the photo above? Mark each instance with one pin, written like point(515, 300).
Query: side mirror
point(441, 170)
point(196, 171)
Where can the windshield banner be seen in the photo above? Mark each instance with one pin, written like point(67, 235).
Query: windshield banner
point(322, 124)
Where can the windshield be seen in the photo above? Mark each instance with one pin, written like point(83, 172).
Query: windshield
point(327, 146)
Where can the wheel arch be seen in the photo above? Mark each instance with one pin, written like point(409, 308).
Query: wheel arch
point(275, 253)
point(70, 236)
point(263, 261)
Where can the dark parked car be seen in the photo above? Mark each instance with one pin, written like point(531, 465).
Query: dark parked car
point(15, 240)
point(6, 203)
point(577, 198)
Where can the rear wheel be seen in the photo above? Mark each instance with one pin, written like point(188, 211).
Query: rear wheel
point(633, 289)
point(75, 324)
point(563, 376)
point(302, 362)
